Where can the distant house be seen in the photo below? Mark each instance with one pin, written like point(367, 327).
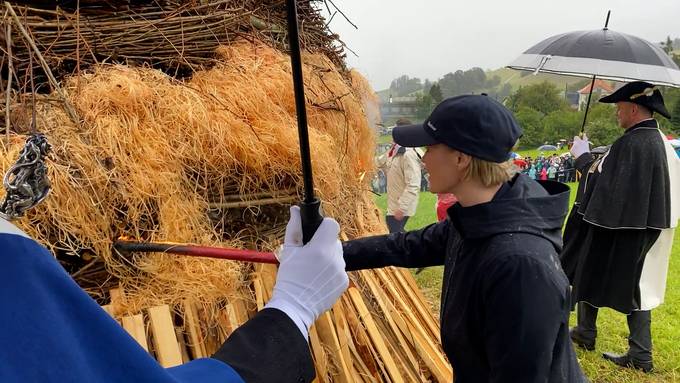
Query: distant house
point(600, 89)
point(572, 99)
point(394, 108)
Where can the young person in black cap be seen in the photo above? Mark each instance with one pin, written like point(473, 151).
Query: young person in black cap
point(619, 234)
point(505, 300)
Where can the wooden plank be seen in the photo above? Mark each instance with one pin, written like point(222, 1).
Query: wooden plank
point(240, 311)
point(193, 330)
point(361, 347)
point(343, 333)
point(411, 364)
point(182, 345)
point(259, 294)
point(329, 338)
point(134, 325)
point(360, 371)
point(109, 310)
point(268, 278)
point(419, 337)
point(427, 351)
point(319, 355)
point(164, 338)
point(423, 311)
point(117, 300)
point(374, 334)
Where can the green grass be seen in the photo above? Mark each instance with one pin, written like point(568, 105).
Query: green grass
point(612, 327)
point(384, 139)
point(533, 153)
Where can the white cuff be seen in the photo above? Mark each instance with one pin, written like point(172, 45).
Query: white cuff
point(291, 311)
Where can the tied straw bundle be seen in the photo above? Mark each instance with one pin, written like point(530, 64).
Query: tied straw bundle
point(153, 154)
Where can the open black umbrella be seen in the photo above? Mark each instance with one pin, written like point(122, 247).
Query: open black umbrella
point(600, 53)
point(310, 205)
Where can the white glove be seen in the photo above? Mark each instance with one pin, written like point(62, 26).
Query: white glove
point(310, 277)
point(580, 146)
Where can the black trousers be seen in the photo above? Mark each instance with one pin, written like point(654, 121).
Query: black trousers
point(394, 225)
point(639, 326)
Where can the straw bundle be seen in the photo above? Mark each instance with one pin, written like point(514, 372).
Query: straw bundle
point(214, 160)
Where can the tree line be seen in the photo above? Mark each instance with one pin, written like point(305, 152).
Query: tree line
point(541, 109)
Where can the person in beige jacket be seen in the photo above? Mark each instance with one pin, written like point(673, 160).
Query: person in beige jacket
point(402, 168)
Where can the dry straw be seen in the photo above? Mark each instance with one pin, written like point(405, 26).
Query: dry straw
point(152, 153)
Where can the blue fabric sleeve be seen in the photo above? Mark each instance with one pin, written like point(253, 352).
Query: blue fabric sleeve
point(52, 331)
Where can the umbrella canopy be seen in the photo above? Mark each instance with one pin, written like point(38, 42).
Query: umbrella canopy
point(547, 147)
point(603, 53)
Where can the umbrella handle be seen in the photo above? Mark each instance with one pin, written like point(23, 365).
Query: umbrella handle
point(310, 212)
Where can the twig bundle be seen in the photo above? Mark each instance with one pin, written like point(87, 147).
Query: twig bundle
point(178, 37)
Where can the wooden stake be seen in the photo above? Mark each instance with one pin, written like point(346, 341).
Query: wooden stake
point(389, 314)
point(193, 329)
point(319, 355)
point(329, 338)
point(164, 337)
point(134, 325)
point(374, 334)
point(363, 350)
point(422, 341)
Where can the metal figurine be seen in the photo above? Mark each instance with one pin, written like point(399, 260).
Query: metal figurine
point(26, 182)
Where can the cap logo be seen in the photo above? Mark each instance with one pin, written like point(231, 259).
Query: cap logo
point(648, 92)
point(429, 123)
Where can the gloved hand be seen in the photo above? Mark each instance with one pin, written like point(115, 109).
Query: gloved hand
point(310, 277)
point(580, 146)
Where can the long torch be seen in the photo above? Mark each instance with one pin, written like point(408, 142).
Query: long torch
point(196, 251)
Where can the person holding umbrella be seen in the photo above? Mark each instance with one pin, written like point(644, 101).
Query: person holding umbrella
point(505, 299)
point(619, 234)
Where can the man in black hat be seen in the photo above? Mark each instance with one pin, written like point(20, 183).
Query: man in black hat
point(619, 234)
point(505, 299)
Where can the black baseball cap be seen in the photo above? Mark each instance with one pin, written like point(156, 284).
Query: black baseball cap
point(641, 93)
point(476, 125)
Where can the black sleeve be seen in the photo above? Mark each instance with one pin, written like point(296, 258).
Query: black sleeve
point(268, 348)
point(420, 248)
point(523, 312)
point(583, 162)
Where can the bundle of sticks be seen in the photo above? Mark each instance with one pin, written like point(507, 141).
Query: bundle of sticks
point(177, 37)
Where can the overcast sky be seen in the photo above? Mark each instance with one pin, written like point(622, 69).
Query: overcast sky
point(429, 38)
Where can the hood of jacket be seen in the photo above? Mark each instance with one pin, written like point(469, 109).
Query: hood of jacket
point(522, 205)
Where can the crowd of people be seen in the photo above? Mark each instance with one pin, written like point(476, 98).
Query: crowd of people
point(552, 167)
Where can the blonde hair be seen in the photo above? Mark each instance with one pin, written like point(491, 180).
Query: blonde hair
point(489, 173)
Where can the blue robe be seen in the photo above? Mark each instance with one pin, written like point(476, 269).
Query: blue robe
point(52, 331)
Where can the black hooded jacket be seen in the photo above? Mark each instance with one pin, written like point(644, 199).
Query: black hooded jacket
point(505, 299)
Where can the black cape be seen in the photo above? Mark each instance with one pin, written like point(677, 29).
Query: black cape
point(623, 203)
point(633, 189)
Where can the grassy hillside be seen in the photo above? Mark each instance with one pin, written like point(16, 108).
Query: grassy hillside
point(518, 78)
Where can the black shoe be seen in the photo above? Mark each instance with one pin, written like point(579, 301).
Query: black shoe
point(626, 360)
point(580, 340)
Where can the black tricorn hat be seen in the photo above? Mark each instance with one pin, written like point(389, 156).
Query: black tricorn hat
point(641, 93)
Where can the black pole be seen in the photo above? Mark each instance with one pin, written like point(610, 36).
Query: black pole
point(606, 23)
point(309, 207)
point(592, 85)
